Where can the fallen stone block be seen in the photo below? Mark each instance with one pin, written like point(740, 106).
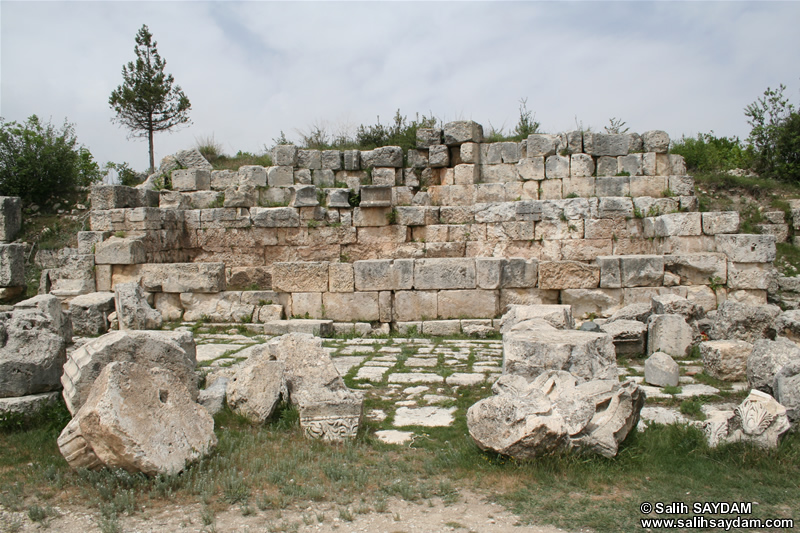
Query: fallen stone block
point(213, 397)
point(629, 336)
point(661, 370)
point(558, 316)
point(90, 312)
point(759, 419)
point(766, 361)
point(27, 407)
point(727, 359)
point(744, 322)
point(140, 419)
point(133, 311)
point(787, 390)
point(174, 351)
point(258, 385)
point(670, 334)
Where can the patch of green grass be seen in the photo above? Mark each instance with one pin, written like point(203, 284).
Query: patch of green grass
point(693, 408)
point(787, 259)
point(669, 389)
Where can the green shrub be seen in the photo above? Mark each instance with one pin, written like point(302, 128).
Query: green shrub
point(710, 153)
point(39, 162)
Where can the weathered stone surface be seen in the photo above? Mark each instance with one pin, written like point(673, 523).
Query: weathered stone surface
point(10, 217)
point(698, 269)
point(766, 361)
point(661, 370)
point(133, 311)
point(641, 270)
point(759, 419)
point(90, 312)
point(174, 351)
point(534, 346)
point(670, 334)
point(27, 407)
point(672, 304)
point(655, 141)
point(217, 307)
point(747, 248)
point(467, 304)
point(256, 388)
point(637, 311)
point(588, 302)
point(600, 144)
point(193, 179)
point(384, 274)
point(744, 322)
point(328, 409)
point(385, 156)
point(788, 325)
point(427, 137)
point(786, 387)
point(720, 222)
point(674, 225)
point(462, 131)
point(351, 306)
point(629, 336)
point(119, 251)
point(750, 276)
point(527, 420)
point(12, 265)
point(320, 328)
point(409, 306)
point(568, 275)
point(141, 419)
point(444, 273)
point(300, 276)
point(33, 339)
point(558, 316)
point(726, 359)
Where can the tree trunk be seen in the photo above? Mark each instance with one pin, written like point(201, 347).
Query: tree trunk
point(152, 159)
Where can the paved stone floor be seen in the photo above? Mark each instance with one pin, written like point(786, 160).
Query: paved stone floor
point(414, 379)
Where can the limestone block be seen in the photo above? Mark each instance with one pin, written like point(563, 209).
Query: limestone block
point(582, 187)
point(444, 274)
point(340, 277)
point(280, 176)
point(351, 306)
point(275, 217)
point(744, 322)
point(551, 189)
point(285, 155)
point(307, 305)
point(607, 166)
point(310, 159)
point(612, 186)
point(558, 316)
point(518, 273)
point(655, 141)
point(320, 328)
point(427, 137)
point(510, 297)
point(133, 311)
point(169, 305)
point(720, 222)
point(726, 359)
point(606, 144)
point(748, 297)
point(337, 198)
point(750, 275)
point(414, 305)
point(466, 174)
point(467, 304)
point(669, 334)
point(302, 177)
point(385, 156)
point(418, 159)
point(352, 159)
point(371, 216)
point(698, 269)
point(500, 173)
point(224, 217)
point(557, 167)
point(90, 312)
point(681, 185)
point(140, 419)
point(672, 304)
point(632, 164)
point(12, 265)
point(540, 144)
point(568, 275)
point(767, 359)
point(788, 324)
point(538, 347)
point(376, 196)
point(677, 165)
point(253, 175)
point(531, 168)
point(103, 277)
point(386, 234)
point(676, 224)
point(438, 156)
point(787, 390)
point(613, 207)
point(255, 390)
point(384, 275)
point(119, 251)
point(642, 270)
point(581, 166)
point(386, 176)
point(324, 178)
point(661, 370)
point(578, 249)
point(303, 196)
point(629, 336)
point(779, 231)
point(747, 248)
point(193, 179)
point(462, 131)
point(331, 159)
point(300, 276)
point(588, 302)
point(10, 217)
point(610, 273)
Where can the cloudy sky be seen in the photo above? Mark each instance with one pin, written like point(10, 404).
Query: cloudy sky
point(254, 69)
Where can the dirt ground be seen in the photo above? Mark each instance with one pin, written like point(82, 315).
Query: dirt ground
point(471, 513)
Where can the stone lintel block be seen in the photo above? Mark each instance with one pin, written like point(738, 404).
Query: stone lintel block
point(10, 217)
point(300, 276)
point(376, 196)
point(119, 251)
point(191, 179)
point(414, 305)
point(568, 275)
point(445, 273)
point(743, 248)
point(384, 274)
point(351, 306)
point(462, 131)
point(467, 304)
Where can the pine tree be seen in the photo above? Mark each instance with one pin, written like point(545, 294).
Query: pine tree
point(147, 101)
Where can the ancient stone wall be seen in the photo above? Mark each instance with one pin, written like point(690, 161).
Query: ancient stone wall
point(456, 229)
